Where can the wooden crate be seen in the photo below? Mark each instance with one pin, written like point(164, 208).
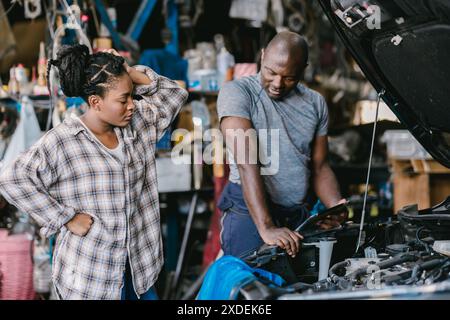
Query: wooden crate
point(429, 166)
point(422, 182)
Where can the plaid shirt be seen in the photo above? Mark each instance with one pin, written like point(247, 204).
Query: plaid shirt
point(68, 171)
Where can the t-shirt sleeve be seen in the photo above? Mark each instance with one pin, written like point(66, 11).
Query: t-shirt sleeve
point(322, 126)
point(233, 101)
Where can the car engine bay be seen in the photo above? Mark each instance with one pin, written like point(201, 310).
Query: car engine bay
point(407, 255)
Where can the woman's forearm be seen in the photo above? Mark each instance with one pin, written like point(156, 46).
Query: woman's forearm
point(138, 77)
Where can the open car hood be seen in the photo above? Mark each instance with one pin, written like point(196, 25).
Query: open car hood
point(406, 55)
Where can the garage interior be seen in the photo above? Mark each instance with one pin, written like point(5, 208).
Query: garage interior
point(388, 139)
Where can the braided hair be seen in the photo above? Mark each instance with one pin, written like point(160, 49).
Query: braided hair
point(82, 74)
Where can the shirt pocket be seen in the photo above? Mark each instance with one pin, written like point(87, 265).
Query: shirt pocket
point(60, 246)
point(100, 235)
point(65, 262)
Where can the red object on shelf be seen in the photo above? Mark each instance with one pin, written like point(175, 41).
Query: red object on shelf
point(245, 69)
point(16, 267)
point(212, 245)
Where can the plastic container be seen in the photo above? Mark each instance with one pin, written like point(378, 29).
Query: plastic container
point(442, 246)
point(174, 174)
point(16, 267)
point(401, 144)
point(208, 80)
point(325, 252)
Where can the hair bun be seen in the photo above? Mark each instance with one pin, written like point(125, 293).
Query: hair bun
point(79, 50)
point(71, 63)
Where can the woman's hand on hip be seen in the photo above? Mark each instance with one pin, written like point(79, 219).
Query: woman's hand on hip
point(80, 224)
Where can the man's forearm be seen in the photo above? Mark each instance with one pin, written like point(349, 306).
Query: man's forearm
point(326, 186)
point(254, 196)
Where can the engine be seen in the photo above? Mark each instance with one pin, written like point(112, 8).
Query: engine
point(406, 256)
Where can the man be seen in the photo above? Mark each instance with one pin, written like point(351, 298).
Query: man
point(261, 203)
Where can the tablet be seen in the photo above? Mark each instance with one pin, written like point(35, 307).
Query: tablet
point(309, 226)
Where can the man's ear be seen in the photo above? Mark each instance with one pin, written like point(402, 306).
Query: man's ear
point(262, 54)
point(95, 102)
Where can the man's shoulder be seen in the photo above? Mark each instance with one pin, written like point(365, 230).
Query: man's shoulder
point(236, 98)
point(311, 97)
point(248, 81)
point(307, 92)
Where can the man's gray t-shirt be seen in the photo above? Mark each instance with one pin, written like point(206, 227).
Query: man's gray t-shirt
point(285, 129)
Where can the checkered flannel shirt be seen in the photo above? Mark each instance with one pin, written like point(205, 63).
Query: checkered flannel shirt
point(68, 171)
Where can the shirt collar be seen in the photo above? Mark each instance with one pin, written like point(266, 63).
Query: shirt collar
point(74, 125)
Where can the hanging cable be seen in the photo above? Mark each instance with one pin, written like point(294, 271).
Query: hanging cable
point(72, 23)
point(50, 17)
point(5, 14)
point(363, 213)
point(94, 16)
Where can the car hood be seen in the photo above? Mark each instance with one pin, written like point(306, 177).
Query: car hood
point(402, 47)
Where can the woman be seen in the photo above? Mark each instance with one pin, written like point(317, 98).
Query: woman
point(92, 179)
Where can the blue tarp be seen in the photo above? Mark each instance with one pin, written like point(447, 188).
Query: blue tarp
point(165, 63)
point(229, 273)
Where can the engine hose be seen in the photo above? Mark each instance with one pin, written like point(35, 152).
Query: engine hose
point(415, 272)
point(336, 267)
point(419, 240)
point(441, 270)
point(342, 282)
point(390, 279)
point(399, 259)
point(437, 276)
point(300, 286)
point(431, 264)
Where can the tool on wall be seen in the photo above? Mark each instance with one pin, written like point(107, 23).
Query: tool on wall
point(33, 8)
point(175, 280)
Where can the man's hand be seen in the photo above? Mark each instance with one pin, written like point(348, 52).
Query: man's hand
point(284, 238)
point(335, 220)
point(80, 224)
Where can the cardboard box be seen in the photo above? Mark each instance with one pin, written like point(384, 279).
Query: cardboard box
point(425, 183)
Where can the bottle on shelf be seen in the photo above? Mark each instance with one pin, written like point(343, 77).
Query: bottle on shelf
point(42, 66)
point(13, 84)
point(225, 61)
point(21, 76)
point(40, 87)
